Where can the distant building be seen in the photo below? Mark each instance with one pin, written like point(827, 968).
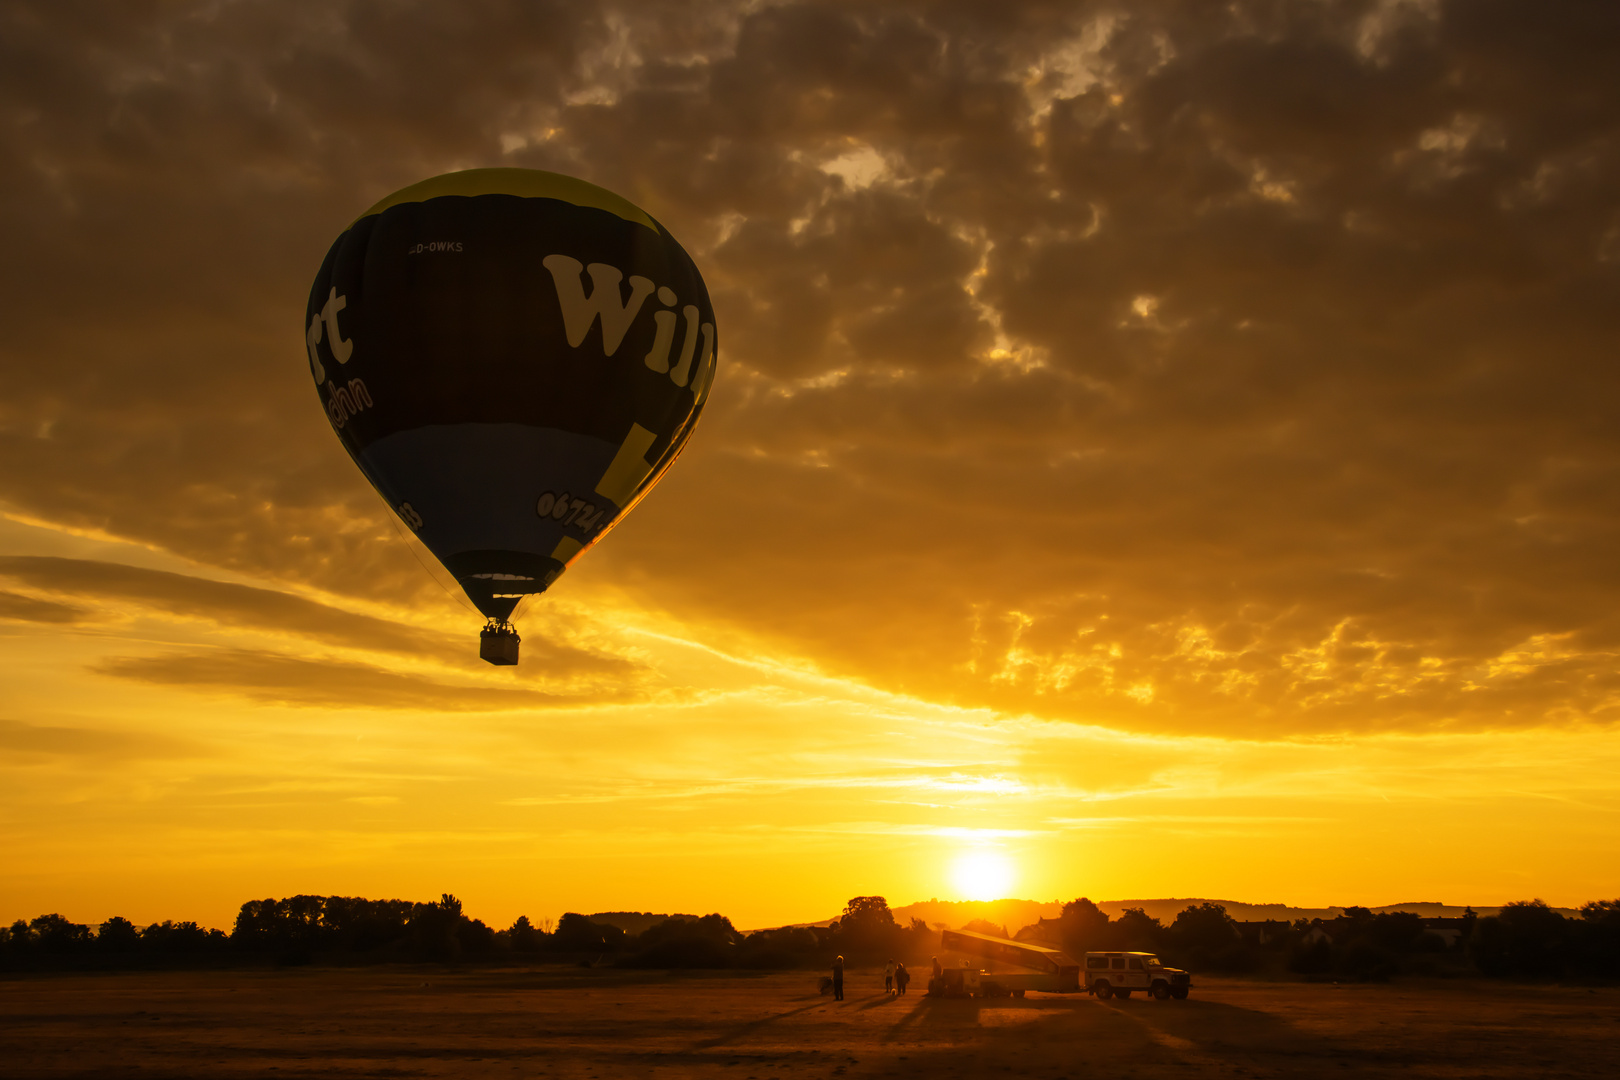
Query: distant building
point(1263, 932)
point(1321, 931)
point(1449, 931)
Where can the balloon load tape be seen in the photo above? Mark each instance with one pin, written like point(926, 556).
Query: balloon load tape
point(498, 643)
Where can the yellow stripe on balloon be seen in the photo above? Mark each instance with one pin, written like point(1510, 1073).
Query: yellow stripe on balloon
point(525, 183)
point(628, 468)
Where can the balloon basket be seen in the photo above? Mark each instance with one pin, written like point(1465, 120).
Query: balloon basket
point(498, 644)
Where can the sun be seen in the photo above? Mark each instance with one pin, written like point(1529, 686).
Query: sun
point(982, 875)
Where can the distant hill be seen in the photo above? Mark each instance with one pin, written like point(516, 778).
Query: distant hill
point(633, 922)
point(1012, 914)
point(1017, 914)
point(1166, 910)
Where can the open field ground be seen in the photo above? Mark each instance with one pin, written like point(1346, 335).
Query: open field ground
point(569, 1023)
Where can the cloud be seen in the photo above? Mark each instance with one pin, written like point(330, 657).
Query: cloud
point(1243, 371)
point(34, 741)
point(248, 607)
point(33, 609)
point(291, 680)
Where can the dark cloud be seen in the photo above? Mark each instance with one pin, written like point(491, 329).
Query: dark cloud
point(247, 607)
point(37, 742)
point(33, 609)
point(290, 680)
point(1244, 368)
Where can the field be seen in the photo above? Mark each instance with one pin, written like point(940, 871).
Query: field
point(567, 1023)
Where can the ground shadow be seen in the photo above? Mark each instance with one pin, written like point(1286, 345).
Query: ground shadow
point(743, 1030)
point(930, 1012)
point(884, 998)
point(1202, 1031)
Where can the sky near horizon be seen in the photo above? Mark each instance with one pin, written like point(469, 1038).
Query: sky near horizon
point(1157, 449)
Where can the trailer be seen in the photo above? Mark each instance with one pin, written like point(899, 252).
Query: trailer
point(1049, 971)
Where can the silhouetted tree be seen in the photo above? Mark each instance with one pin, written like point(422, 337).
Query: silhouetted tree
point(183, 941)
point(1136, 929)
point(783, 948)
point(577, 934)
point(432, 929)
point(523, 938)
point(866, 911)
point(1208, 938)
point(1599, 936)
point(1399, 931)
point(1082, 927)
point(1207, 926)
point(1525, 938)
point(117, 936)
point(867, 929)
point(709, 942)
point(59, 937)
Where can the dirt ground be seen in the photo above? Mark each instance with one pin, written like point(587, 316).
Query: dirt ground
point(576, 1024)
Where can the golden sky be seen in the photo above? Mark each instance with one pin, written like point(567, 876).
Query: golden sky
point(1158, 449)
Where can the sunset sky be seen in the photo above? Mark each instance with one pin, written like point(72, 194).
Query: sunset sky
point(1157, 449)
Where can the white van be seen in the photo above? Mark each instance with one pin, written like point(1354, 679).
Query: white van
point(1121, 974)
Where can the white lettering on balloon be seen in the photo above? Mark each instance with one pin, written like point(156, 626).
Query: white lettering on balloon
point(340, 347)
point(580, 311)
point(606, 302)
point(343, 402)
point(568, 510)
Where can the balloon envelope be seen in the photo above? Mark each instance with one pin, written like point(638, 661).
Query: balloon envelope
point(512, 358)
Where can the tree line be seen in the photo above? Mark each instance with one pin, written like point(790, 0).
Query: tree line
point(1525, 939)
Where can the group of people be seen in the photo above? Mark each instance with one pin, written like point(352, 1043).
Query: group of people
point(895, 978)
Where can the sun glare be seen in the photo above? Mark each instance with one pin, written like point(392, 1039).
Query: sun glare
point(982, 875)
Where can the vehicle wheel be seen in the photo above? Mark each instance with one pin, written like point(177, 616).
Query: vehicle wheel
point(1180, 993)
point(1103, 990)
point(1161, 991)
point(1018, 993)
point(1122, 993)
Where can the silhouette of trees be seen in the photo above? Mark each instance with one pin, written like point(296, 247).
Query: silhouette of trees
point(1526, 939)
point(1082, 927)
point(709, 942)
point(59, 937)
point(54, 942)
point(117, 936)
point(576, 933)
point(787, 947)
point(523, 937)
point(1205, 926)
point(1136, 930)
point(866, 914)
point(867, 931)
point(295, 929)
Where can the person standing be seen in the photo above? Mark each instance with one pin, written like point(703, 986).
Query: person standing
point(888, 978)
point(838, 979)
point(901, 977)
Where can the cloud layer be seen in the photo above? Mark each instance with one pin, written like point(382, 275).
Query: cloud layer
point(1241, 370)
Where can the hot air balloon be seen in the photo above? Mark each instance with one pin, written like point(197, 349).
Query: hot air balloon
point(513, 358)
